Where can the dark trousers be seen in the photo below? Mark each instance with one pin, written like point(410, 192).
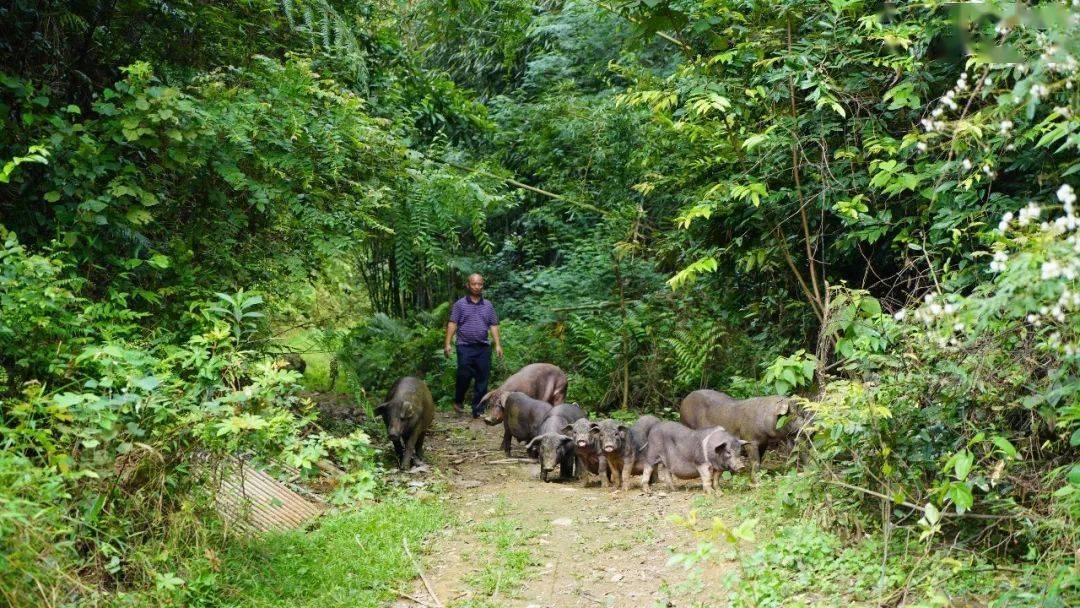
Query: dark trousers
point(473, 363)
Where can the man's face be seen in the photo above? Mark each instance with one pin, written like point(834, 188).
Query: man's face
point(476, 285)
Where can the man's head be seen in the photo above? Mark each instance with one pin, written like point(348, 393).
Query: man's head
point(476, 284)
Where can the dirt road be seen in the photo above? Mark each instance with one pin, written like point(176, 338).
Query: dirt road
point(516, 541)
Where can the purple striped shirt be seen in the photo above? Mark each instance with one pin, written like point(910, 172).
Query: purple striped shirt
point(473, 320)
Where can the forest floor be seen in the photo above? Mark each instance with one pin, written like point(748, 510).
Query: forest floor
point(512, 540)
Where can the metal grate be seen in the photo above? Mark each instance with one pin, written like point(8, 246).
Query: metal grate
point(251, 499)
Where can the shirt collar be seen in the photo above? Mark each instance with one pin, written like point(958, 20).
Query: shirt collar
point(468, 298)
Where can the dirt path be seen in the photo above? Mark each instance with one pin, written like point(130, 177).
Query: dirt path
point(517, 541)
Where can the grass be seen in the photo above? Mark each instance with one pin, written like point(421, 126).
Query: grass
point(353, 560)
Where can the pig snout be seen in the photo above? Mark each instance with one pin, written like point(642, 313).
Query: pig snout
point(581, 443)
point(609, 447)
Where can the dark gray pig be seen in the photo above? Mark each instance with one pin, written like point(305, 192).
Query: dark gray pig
point(542, 381)
point(550, 446)
point(590, 457)
point(622, 446)
point(520, 416)
point(753, 420)
point(687, 453)
point(407, 413)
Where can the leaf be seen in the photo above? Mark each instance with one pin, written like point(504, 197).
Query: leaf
point(1005, 446)
point(961, 497)
point(962, 465)
point(931, 513)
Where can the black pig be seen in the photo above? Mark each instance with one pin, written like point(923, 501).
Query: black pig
point(687, 453)
point(622, 446)
point(550, 446)
point(520, 416)
point(407, 413)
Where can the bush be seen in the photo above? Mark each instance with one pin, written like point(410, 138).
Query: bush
point(110, 444)
point(971, 402)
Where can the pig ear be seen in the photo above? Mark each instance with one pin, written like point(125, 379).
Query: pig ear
point(594, 429)
point(532, 445)
point(379, 409)
point(721, 447)
point(783, 407)
point(568, 429)
point(486, 396)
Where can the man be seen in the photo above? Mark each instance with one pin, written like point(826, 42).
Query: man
point(471, 318)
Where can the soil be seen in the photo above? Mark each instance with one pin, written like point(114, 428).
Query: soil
point(590, 546)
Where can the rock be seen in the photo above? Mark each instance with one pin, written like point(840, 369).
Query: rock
point(618, 576)
point(565, 522)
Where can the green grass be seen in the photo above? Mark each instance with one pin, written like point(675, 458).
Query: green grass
point(354, 560)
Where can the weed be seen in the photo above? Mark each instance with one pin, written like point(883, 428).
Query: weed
point(352, 559)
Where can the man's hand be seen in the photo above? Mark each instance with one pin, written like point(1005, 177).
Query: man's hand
point(446, 350)
point(498, 350)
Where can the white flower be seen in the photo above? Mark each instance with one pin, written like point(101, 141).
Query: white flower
point(998, 265)
point(1066, 195)
point(958, 327)
point(1032, 318)
point(1005, 126)
point(1003, 225)
point(986, 169)
point(1039, 91)
point(921, 146)
point(935, 309)
point(949, 309)
point(900, 314)
point(1029, 213)
point(966, 164)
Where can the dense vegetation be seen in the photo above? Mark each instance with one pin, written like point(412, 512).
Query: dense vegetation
point(868, 204)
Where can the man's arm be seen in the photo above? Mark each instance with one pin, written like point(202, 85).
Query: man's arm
point(495, 336)
point(451, 328)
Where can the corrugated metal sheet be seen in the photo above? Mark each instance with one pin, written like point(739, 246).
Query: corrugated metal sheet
point(249, 498)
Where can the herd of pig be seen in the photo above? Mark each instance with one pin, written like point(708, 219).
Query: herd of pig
point(717, 433)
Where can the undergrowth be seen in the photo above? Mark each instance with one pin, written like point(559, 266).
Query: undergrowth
point(351, 560)
point(788, 548)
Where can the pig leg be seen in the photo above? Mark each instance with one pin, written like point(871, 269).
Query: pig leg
point(506, 439)
point(419, 457)
point(583, 471)
point(668, 476)
point(603, 471)
point(646, 473)
point(754, 456)
point(399, 449)
point(566, 467)
point(627, 471)
point(410, 450)
point(705, 471)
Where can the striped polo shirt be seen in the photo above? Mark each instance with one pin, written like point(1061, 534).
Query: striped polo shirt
point(473, 320)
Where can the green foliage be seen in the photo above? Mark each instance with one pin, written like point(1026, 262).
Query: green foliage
point(354, 559)
point(98, 430)
point(787, 373)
